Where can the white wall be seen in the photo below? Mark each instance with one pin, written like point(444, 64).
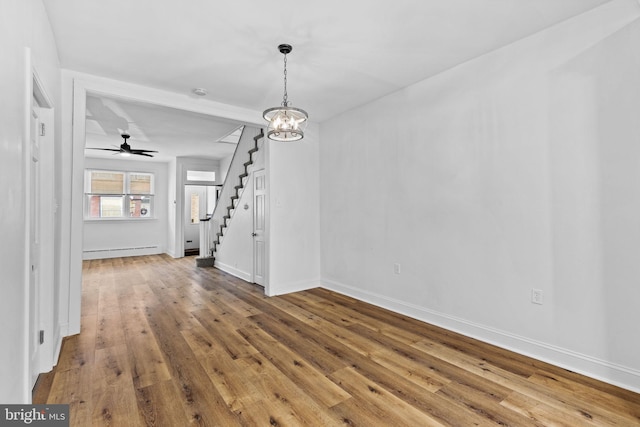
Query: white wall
point(24, 24)
point(514, 171)
point(294, 225)
point(224, 167)
point(171, 208)
point(293, 232)
point(120, 236)
point(235, 254)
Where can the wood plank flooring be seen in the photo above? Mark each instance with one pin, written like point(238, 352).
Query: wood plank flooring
point(164, 343)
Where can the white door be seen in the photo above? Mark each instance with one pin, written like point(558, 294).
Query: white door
point(259, 228)
point(34, 245)
point(195, 207)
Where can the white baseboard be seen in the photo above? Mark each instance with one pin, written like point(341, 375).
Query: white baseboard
point(57, 347)
point(58, 335)
point(287, 288)
point(234, 271)
point(593, 367)
point(64, 330)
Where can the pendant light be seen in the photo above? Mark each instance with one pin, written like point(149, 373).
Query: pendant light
point(286, 123)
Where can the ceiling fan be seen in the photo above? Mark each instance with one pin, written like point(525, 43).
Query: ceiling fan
point(125, 149)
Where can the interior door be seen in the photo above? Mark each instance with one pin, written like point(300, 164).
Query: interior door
point(34, 244)
point(195, 205)
point(259, 228)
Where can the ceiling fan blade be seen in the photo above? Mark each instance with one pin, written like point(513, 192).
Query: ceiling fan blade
point(125, 148)
point(104, 149)
point(138, 151)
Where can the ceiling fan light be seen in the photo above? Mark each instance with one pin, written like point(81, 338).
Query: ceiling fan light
point(200, 91)
point(125, 154)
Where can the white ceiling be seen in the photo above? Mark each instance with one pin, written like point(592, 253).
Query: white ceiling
point(345, 53)
point(169, 131)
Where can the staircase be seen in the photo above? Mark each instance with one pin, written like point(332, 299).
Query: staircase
point(222, 222)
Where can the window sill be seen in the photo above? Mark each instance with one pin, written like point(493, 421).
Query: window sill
point(119, 219)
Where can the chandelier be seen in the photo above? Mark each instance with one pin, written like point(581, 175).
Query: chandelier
point(286, 123)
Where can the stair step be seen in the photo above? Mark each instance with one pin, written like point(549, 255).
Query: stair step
point(249, 163)
point(234, 197)
point(253, 150)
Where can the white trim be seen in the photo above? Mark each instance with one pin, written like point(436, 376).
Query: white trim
point(267, 213)
point(181, 174)
point(26, 165)
point(58, 343)
point(600, 369)
point(48, 282)
point(77, 204)
point(233, 271)
point(40, 91)
point(64, 330)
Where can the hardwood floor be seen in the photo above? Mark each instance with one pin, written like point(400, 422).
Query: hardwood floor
point(164, 343)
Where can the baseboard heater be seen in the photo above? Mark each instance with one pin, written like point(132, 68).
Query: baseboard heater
point(89, 251)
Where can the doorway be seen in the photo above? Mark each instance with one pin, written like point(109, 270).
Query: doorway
point(199, 203)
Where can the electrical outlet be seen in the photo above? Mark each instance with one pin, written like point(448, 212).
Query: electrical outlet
point(396, 268)
point(536, 296)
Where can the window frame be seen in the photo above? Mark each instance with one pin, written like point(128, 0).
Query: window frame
point(127, 196)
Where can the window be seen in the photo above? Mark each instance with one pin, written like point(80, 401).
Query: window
point(195, 209)
point(118, 194)
point(202, 176)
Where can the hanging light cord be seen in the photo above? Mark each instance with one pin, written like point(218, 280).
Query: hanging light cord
point(285, 102)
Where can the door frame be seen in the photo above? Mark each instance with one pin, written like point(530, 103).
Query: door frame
point(36, 96)
point(183, 165)
point(185, 208)
point(48, 210)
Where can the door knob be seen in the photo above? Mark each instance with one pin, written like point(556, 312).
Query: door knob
point(253, 234)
